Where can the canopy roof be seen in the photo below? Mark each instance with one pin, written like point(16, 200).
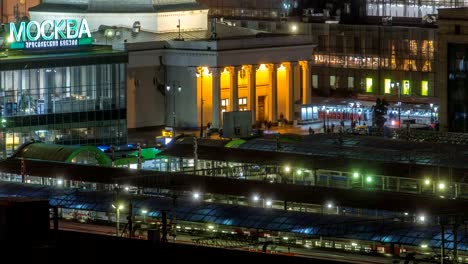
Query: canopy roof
point(60, 153)
point(389, 230)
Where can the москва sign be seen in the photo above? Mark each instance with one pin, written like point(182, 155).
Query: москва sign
point(49, 34)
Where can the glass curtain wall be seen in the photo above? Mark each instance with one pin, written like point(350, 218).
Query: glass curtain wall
point(410, 8)
point(350, 60)
point(65, 105)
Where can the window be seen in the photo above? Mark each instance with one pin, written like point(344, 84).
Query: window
point(424, 88)
point(368, 85)
point(314, 81)
point(243, 104)
point(387, 86)
point(406, 87)
point(333, 82)
point(224, 105)
point(350, 82)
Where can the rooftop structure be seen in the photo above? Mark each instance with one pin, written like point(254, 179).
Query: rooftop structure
point(385, 231)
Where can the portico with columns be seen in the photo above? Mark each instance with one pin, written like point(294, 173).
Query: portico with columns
point(218, 76)
point(206, 68)
point(268, 90)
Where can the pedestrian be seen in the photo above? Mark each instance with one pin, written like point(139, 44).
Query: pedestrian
point(310, 130)
point(333, 128)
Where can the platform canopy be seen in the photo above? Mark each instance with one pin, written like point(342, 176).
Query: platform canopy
point(68, 154)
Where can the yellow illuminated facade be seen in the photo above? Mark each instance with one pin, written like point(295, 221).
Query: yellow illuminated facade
point(268, 90)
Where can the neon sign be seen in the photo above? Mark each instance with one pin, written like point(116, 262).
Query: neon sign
point(49, 34)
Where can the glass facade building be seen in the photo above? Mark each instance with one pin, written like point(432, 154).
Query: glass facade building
point(75, 98)
point(409, 8)
point(456, 87)
point(368, 59)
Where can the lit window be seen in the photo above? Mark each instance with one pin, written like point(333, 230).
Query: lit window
point(424, 88)
point(406, 87)
point(333, 82)
point(243, 101)
point(314, 81)
point(387, 83)
point(368, 85)
point(350, 82)
point(225, 102)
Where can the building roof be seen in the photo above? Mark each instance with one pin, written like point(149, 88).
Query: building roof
point(10, 60)
point(127, 36)
point(392, 230)
point(357, 153)
point(187, 181)
point(112, 6)
point(370, 148)
point(60, 153)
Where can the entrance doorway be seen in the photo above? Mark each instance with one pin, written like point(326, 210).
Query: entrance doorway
point(261, 109)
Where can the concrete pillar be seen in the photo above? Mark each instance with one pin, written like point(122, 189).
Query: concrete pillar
point(253, 92)
point(216, 93)
point(274, 92)
point(234, 88)
point(306, 87)
point(290, 101)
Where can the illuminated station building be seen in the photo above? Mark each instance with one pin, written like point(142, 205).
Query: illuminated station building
point(185, 70)
point(168, 65)
point(57, 90)
point(369, 49)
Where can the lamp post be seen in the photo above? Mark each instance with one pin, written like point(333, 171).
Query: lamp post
point(328, 120)
point(109, 34)
point(432, 111)
point(144, 212)
point(399, 100)
point(175, 87)
point(117, 208)
point(203, 71)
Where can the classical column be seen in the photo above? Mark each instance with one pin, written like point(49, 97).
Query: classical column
point(306, 87)
point(274, 92)
point(234, 88)
point(216, 111)
point(290, 102)
point(253, 91)
point(190, 114)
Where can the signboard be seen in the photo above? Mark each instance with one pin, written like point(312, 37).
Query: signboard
point(49, 34)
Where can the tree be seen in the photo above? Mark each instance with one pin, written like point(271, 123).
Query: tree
point(380, 110)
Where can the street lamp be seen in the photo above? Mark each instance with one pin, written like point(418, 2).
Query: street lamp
point(144, 212)
point(175, 87)
point(392, 85)
point(432, 112)
point(117, 208)
point(109, 34)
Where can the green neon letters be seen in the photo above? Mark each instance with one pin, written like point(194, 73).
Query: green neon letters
point(49, 30)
